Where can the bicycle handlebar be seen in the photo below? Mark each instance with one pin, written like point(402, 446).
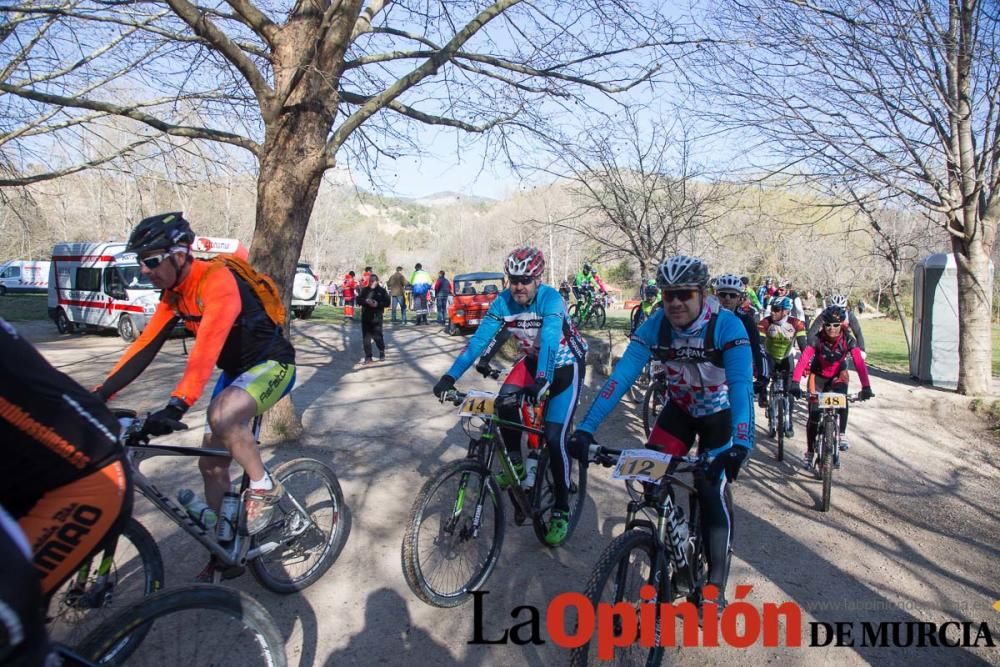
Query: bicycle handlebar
point(133, 432)
point(608, 456)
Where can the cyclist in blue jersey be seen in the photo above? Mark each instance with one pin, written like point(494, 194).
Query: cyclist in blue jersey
point(552, 366)
point(709, 373)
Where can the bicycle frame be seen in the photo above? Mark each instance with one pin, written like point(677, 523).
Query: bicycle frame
point(238, 552)
point(488, 444)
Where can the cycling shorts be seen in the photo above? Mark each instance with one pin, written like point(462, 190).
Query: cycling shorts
point(70, 522)
point(267, 382)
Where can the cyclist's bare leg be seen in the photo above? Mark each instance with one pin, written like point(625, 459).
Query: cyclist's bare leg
point(214, 472)
point(229, 416)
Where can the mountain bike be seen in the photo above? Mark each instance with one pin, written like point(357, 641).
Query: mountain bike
point(455, 530)
point(828, 440)
point(655, 398)
point(650, 372)
point(588, 311)
point(661, 547)
point(309, 530)
point(779, 410)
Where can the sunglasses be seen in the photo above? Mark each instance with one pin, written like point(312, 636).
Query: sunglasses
point(728, 295)
point(154, 261)
point(832, 324)
point(521, 280)
point(678, 295)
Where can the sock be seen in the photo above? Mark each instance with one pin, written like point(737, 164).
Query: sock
point(262, 484)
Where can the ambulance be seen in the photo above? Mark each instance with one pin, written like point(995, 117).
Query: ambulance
point(100, 286)
point(19, 276)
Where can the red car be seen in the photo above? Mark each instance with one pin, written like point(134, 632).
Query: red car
point(472, 295)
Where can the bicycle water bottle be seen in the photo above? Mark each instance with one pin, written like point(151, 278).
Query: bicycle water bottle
point(197, 508)
point(530, 468)
point(228, 516)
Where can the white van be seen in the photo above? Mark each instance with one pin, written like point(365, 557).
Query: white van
point(19, 276)
point(99, 285)
point(305, 291)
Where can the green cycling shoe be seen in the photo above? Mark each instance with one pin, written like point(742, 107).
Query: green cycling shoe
point(558, 528)
point(504, 480)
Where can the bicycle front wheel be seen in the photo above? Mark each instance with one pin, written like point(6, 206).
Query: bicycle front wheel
point(445, 556)
point(652, 404)
point(314, 525)
point(194, 625)
point(781, 428)
point(543, 496)
point(598, 316)
point(826, 461)
point(105, 584)
point(629, 563)
point(574, 314)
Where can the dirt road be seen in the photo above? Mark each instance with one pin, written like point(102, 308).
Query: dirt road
point(912, 536)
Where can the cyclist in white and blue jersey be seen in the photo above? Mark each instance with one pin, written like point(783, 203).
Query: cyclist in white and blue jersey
point(709, 372)
point(552, 366)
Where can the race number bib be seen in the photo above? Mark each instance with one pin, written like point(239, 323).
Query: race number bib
point(832, 400)
point(477, 403)
point(645, 465)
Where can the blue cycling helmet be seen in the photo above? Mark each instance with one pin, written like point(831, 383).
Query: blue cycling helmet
point(781, 303)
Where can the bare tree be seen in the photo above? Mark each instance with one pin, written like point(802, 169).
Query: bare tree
point(637, 192)
point(895, 98)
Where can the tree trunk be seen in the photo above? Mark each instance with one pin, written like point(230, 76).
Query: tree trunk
point(898, 303)
point(974, 340)
point(292, 164)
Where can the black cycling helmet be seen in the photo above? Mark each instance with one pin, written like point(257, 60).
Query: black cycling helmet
point(587, 268)
point(160, 232)
point(681, 271)
point(650, 292)
point(834, 315)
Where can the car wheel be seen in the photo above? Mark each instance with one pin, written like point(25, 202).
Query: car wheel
point(126, 328)
point(62, 322)
point(3, 290)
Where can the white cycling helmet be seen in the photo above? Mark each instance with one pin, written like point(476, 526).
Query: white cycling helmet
point(729, 282)
point(838, 300)
point(681, 271)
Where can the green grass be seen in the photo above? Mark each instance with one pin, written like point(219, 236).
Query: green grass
point(22, 307)
point(886, 347)
point(325, 313)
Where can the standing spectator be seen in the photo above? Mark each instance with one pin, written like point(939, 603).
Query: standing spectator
point(365, 277)
point(374, 300)
point(809, 306)
point(397, 285)
point(442, 290)
point(861, 306)
point(349, 286)
point(421, 282)
point(331, 293)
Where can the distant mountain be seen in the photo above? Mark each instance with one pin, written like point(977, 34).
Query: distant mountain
point(448, 198)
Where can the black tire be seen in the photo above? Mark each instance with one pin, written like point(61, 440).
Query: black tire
point(574, 314)
point(543, 496)
point(250, 638)
point(76, 609)
point(423, 524)
point(598, 316)
point(127, 329)
point(3, 290)
point(652, 404)
point(301, 560)
point(637, 391)
point(780, 422)
point(63, 325)
point(306, 313)
point(826, 462)
point(628, 563)
point(772, 413)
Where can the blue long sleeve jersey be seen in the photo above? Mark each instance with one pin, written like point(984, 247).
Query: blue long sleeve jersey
point(694, 382)
point(542, 329)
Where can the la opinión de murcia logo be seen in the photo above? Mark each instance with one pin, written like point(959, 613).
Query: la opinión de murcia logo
point(740, 624)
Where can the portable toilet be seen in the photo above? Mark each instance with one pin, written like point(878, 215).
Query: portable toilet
point(934, 348)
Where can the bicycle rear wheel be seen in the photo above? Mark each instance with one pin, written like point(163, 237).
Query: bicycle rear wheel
point(84, 602)
point(318, 536)
point(826, 461)
point(194, 625)
point(543, 496)
point(637, 390)
point(443, 560)
point(627, 564)
point(652, 404)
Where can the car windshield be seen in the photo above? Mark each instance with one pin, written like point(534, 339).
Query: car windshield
point(132, 278)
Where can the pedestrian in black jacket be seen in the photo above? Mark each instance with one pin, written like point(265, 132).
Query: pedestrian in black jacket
point(374, 299)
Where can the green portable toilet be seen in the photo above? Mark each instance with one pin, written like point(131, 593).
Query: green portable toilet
point(934, 348)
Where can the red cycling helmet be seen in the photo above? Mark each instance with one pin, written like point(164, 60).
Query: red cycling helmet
point(525, 261)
